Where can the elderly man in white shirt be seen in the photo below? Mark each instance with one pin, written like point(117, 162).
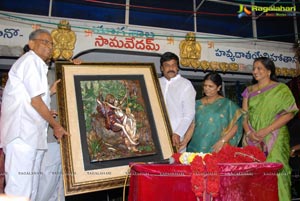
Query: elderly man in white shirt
point(179, 95)
point(25, 116)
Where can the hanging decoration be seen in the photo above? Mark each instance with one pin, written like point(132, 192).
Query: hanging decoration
point(190, 51)
point(64, 41)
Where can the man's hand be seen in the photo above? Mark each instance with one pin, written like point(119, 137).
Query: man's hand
point(59, 132)
point(176, 140)
point(76, 61)
point(182, 145)
point(53, 87)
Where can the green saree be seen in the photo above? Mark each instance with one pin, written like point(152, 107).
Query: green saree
point(263, 108)
point(212, 121)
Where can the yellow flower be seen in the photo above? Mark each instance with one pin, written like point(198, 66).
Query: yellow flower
point(187, 157)
point(191, 157)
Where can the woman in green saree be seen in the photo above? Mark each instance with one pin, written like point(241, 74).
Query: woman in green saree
point(218, 120)
point(270, 106)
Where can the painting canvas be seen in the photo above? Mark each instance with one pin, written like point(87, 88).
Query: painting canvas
point(115, 115)
point(116, 118)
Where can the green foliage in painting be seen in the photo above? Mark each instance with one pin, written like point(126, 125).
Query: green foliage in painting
point(91, 90)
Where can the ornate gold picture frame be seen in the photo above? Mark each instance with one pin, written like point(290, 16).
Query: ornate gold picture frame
point(115, 115)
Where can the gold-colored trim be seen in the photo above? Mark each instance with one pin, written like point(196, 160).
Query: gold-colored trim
point(77, 180)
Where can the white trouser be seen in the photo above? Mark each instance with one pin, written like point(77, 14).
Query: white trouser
point(22, 166)
point(51, 182)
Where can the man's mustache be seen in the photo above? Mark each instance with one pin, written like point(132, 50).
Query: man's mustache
point(171, 71)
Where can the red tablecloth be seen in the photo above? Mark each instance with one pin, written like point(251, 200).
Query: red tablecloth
point(243, 182)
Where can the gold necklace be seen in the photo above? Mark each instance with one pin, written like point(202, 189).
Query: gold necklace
point(260, 88)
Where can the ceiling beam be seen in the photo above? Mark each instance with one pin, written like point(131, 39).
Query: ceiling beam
point(200, 4)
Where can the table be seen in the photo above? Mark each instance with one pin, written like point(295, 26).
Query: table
point(238, 181)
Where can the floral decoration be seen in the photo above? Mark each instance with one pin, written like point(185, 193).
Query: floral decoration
point(213, 175)
point(197, 180)
point(205, 169)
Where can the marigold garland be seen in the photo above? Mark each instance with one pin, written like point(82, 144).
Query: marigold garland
point(205, 168)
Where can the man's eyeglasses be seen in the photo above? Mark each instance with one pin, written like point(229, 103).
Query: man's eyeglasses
point(45, 42)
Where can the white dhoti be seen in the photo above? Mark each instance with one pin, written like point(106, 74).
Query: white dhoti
point(22, 166)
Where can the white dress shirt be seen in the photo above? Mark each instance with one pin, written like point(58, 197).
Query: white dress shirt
point(179, 95)
point(27, 79)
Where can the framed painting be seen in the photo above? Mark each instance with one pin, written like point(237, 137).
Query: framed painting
point(115, 115)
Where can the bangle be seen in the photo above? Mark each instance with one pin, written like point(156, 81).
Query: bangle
point(223, 141)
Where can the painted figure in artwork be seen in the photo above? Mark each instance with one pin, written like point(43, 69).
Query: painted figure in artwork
point(119, 120)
